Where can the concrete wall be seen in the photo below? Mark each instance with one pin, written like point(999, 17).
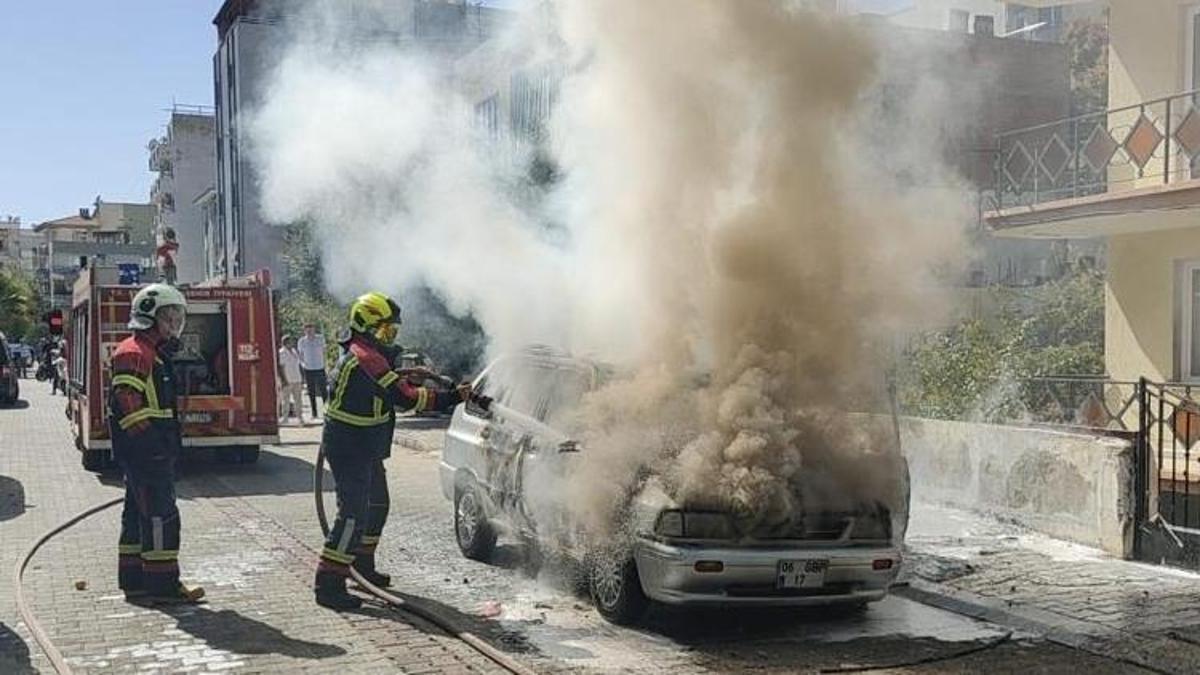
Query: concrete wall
point(1141, 304)
point(1146, 50)
point(1070, 486)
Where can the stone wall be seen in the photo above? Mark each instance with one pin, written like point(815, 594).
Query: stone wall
point(1067, 485)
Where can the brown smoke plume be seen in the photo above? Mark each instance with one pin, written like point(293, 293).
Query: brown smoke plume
point(736, 237)
point(721, 148)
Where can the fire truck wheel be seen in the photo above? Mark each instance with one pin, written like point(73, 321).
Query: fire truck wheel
point(93, 460)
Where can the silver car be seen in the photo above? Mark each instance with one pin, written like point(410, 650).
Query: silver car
point(677, 556)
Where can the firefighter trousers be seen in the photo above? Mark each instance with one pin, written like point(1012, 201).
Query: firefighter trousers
point(148, 548)
point(363, 503)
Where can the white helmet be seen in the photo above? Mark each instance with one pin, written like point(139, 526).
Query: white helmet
point(144, 310)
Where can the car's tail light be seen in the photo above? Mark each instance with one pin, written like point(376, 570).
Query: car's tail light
point(883, 564)
point(709, 566)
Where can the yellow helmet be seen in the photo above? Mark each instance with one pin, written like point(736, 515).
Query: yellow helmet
point(375, 314)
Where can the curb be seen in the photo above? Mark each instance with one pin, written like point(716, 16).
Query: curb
point(1081, 635)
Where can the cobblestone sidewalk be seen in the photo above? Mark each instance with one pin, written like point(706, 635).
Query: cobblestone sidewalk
point(1145, 614)
point(260, 616)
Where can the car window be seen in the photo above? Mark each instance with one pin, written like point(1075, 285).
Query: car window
point(546, 391)
point(539, 389)
point(563, 389)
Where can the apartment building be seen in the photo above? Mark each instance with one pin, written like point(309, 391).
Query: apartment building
point(185, 159)
point(110, 233)
point(250, 36)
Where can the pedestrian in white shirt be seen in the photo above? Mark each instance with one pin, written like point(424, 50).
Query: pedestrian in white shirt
point(312, 361)
point(291, 380)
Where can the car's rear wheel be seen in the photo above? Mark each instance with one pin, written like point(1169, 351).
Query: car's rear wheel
point(475, 535)
point(615, 587)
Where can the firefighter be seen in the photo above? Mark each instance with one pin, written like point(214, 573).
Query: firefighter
point(361, 415)
point(146, 442)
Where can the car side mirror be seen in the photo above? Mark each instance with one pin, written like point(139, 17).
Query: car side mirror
point(568, 446)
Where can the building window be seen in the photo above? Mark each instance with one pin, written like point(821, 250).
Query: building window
point(487, 115)
point(958, 21)
point(1189, 343)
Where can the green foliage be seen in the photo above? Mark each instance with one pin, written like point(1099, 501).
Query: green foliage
point(977, 368)
point(305, 273)
point(1087, 41)
point(454, 344)
point(18, 304)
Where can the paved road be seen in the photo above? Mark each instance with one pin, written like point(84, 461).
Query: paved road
point(249, 537)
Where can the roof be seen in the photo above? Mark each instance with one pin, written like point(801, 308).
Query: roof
point(69, 221)
point(232, 10)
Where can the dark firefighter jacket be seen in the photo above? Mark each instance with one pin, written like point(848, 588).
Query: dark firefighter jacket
point(141, 406)
point(364, 394)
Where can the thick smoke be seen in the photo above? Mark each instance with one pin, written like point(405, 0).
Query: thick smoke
point(726, 229)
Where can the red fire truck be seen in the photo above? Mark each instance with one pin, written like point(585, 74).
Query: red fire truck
point(225, 369)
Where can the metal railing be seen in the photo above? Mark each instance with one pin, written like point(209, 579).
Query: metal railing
point(1155, 142)
point(1170, 422)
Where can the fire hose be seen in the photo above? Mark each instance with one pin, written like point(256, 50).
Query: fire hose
point(429, 614)
point(39, 634)
point(60, 665)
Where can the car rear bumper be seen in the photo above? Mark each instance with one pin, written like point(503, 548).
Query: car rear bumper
point(749, 575)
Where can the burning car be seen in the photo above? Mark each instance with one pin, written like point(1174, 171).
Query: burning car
point(505, 469)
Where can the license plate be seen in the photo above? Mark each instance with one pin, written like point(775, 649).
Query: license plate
point(801, 573)
point(197, 418)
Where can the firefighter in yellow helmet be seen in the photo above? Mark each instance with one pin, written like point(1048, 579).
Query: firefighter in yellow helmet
point(365, 393)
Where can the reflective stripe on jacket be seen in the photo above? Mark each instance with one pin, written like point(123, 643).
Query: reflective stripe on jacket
point(365, 391)
point(364, 394)
point(141, 402)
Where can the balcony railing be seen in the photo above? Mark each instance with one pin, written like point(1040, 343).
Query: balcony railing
point(1150, 143)
point(160, 155)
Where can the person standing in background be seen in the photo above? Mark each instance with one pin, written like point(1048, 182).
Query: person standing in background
point(290, 380)
point(312, 359)
point(59, 381)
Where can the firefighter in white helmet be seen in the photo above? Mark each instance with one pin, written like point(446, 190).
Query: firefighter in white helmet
point(146, 441)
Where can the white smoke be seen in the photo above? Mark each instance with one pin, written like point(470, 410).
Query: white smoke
point(723, 209)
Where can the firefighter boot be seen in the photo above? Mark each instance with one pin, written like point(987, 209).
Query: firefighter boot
point(365, 565)
point(182, 595)
point(331, 592)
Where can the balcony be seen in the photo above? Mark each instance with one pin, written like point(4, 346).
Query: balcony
point(160, 155)
point(1061, 179)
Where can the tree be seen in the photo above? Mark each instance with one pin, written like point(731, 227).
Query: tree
point(18, 304)
point(980, 368)
point(455, 344)
point(1087, 42)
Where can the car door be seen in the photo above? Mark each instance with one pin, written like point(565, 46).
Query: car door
point(467, 447)
point(546, 452)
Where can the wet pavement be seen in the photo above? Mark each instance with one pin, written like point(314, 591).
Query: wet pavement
point(1077, 596)
point(250, 535)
